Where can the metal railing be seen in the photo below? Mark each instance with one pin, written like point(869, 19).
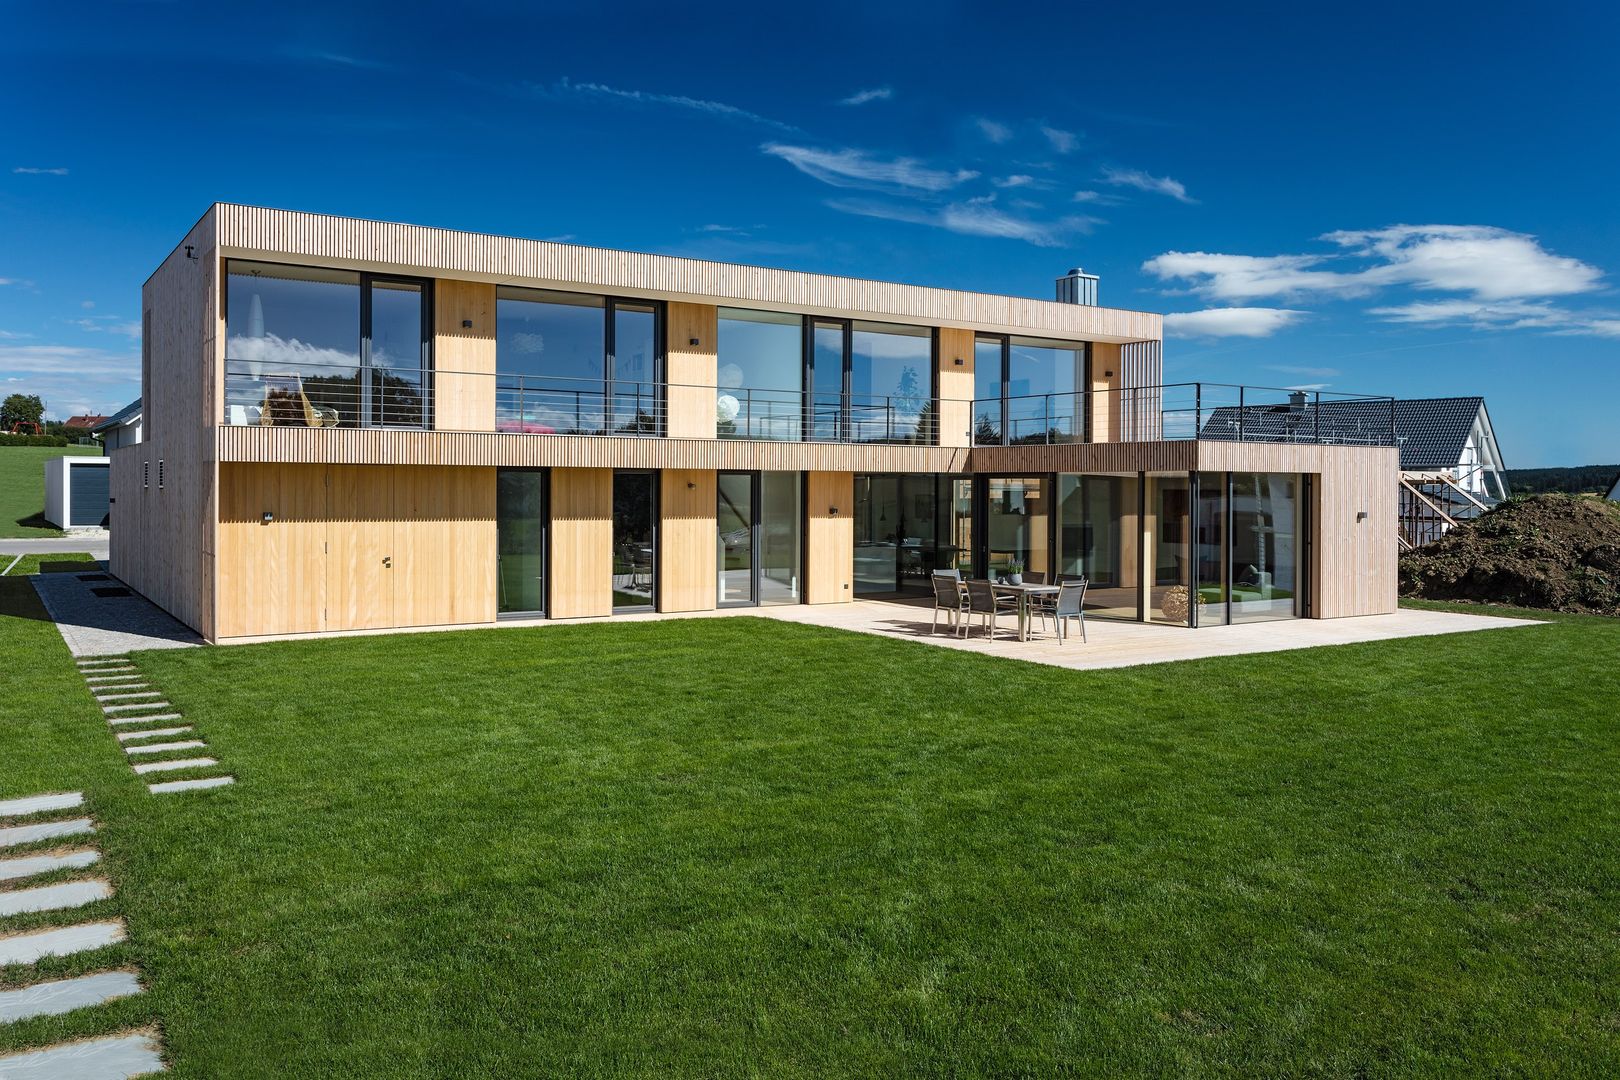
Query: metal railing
point(277, 394)
point(1178, 411)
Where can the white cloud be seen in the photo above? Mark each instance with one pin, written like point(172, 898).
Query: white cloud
point(862, 97)
point(69, 378)
point(1062, 141)
point(1136, 178)
point(29, 170)
point(996, 132)
point(718, 109)
point(1252, 322)
point(849, 167)
point(1252, 277)
point(973, 217)
point(1318, 372)
point(1016, 180)
point(87, 304)
point(1490, 263)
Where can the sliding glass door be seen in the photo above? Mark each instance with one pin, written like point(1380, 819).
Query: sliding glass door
point(758, 538)
point(734, 538)
point(781, 542)
point(520, 541)
point(635, 541)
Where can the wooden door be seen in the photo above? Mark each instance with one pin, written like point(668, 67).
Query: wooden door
point(360, 548)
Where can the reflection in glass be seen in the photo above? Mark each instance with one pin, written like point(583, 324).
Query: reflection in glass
point(395, 355)
point(1043, 378)
point(1169, 510)
point(987, 392)
point(827, 382)
point(761, 375)
point(634, 370)
point(781, 514)
point(292, 345)
point(1210, 544)
point(1099, 538)
point(734, 537)
point(1017, 523)
point(1265, 546)
point(549, 349)
point(897, 541)
point(634, 510)
point(891, 383)
point(520, 540)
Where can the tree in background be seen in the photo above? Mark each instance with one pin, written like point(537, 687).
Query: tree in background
point(21, 409)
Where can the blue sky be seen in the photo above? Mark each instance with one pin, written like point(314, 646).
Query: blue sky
point(1416, 199)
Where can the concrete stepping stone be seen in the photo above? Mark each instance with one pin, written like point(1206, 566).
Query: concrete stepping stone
point(60, 941)
point(112, 676)
point(164, 747)
point(137, 705)
point(128, 695)
point(64, 995)
point(118, 1057)
point(170, 766)
point(126, 736)
point(45, 830)
point(126, 669)
point(143, 719)
point(38, 804)
point(190, 785)
point(91, 661)
point(52, 897)
point(28, 865)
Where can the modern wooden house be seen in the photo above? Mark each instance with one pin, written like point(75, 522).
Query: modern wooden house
point(355, 425)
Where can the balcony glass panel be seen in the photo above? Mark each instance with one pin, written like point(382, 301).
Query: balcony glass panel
point(761, 375)
point(549, 349)
point(987, 391)
point(634, 370)
point(1042, 380)
point(891, 383)
point(397, 392)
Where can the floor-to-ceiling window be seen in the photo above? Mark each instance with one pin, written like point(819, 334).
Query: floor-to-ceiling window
point(311, 347)
point(761, 375)
point(1266, 527)
point(989, 389)
point(781, 527)
point(1169, 523)
point(1099, 538)
point(891, 383)
point(899, 541)
point(635, 543)
point(734, 518)
point(825, 408)
point(1029, 390)
point(1017, 523)
point(520, 541)
point(1209, 547)
point(576, 364)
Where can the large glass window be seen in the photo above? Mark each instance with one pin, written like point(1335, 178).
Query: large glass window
point(826, 405)
point(1099, 538)
point(989, 362)
point(635, 510)
point(891, 383)
point(520, 540)
point(312, 347)
point(734, 537)
point(898, 538)
point(1017, 524)
point(1210, 548)
point(780, 540)
point(1266, 526)
point(1169, 510)
point(761, 375)
point(633, 369)
point(1043, 380)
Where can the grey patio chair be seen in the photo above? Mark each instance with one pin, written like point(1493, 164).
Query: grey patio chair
point(949, 597)
point(982, 600)
point(1034, 577)
point(1070, 604)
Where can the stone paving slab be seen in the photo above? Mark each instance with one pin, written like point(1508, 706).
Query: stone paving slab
point(164, 747)
point(36, 804)
point(190, 785)
point(28, 865)
point(60, 941)
point(149, 718)
point(171, 766)
point(45, 830)
point(68, 894)
point(118, 1057)
point(126, 736)
point(137, 705)
point(108, 626)
point(65, 995)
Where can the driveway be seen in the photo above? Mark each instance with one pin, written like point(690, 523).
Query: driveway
point(95, 544)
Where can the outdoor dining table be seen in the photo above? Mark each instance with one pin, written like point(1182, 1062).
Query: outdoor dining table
point(1023, 593)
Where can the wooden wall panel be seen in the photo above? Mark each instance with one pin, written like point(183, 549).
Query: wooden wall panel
point(272, 578)
point(691, 369)
point(463, 357)
point(1105, 398)
point(322, 240)
point(360, 547)
point(829, 543)
point(581, 542)
point(1356, 563)
point(687, 556)
point(444, 546)
point(955, 387)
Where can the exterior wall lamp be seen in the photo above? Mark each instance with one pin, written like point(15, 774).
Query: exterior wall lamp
point(268, 517)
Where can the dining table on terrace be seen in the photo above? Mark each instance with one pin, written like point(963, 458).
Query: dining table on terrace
point(1023, 593)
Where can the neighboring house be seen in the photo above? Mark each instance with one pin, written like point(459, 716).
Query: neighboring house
point(86, 421)
point(123, 428)
point(354, 425)
point(76, 492)
point(1614, 489)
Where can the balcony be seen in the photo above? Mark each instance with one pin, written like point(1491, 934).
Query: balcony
point(1218, 412)
point(260, 394)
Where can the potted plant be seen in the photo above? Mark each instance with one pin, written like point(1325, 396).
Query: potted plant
point(1015, 573)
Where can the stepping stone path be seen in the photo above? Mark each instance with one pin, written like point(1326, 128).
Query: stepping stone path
point(125, 1054)
point(132, 709)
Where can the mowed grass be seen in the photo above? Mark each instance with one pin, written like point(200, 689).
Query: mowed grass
point(54, 562)
point(22, 488)
point(737, 847)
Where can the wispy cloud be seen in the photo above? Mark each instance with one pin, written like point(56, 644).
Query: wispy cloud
point(1136, 178)
point(1312, 372)
point(863, 97)
point(1098, 198)
point(973, 217)
point(34, 170)
point(1249, 322)
point(336, 59)
point(718, 109)
point(67, 361)
point(1062, 141)
point(993, 130)
point(849, 167)
point(1252, 277)
point(1017, 180)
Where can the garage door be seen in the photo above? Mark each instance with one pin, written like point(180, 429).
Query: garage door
point(89, 495)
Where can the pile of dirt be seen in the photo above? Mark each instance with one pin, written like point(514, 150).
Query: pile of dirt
point(1558, 552)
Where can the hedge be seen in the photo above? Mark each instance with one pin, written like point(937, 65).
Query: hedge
point(32, 440)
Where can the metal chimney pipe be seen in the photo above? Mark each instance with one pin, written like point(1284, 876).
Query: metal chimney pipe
point(1077, 287)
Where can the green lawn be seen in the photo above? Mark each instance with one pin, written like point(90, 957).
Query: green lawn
point(22, 487)
point(54, 562)
point(739, 847)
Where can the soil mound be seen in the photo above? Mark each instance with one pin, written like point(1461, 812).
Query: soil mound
point(1559, 552)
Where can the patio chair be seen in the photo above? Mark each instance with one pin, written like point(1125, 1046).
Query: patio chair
point(1071, 604)
point(982, 600)
point(1034, 577)
point(286, 405)
point(949, 597)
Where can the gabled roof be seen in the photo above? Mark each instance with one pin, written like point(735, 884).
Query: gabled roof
point(1431, 432)
point(84, 420)
point(127, 415)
